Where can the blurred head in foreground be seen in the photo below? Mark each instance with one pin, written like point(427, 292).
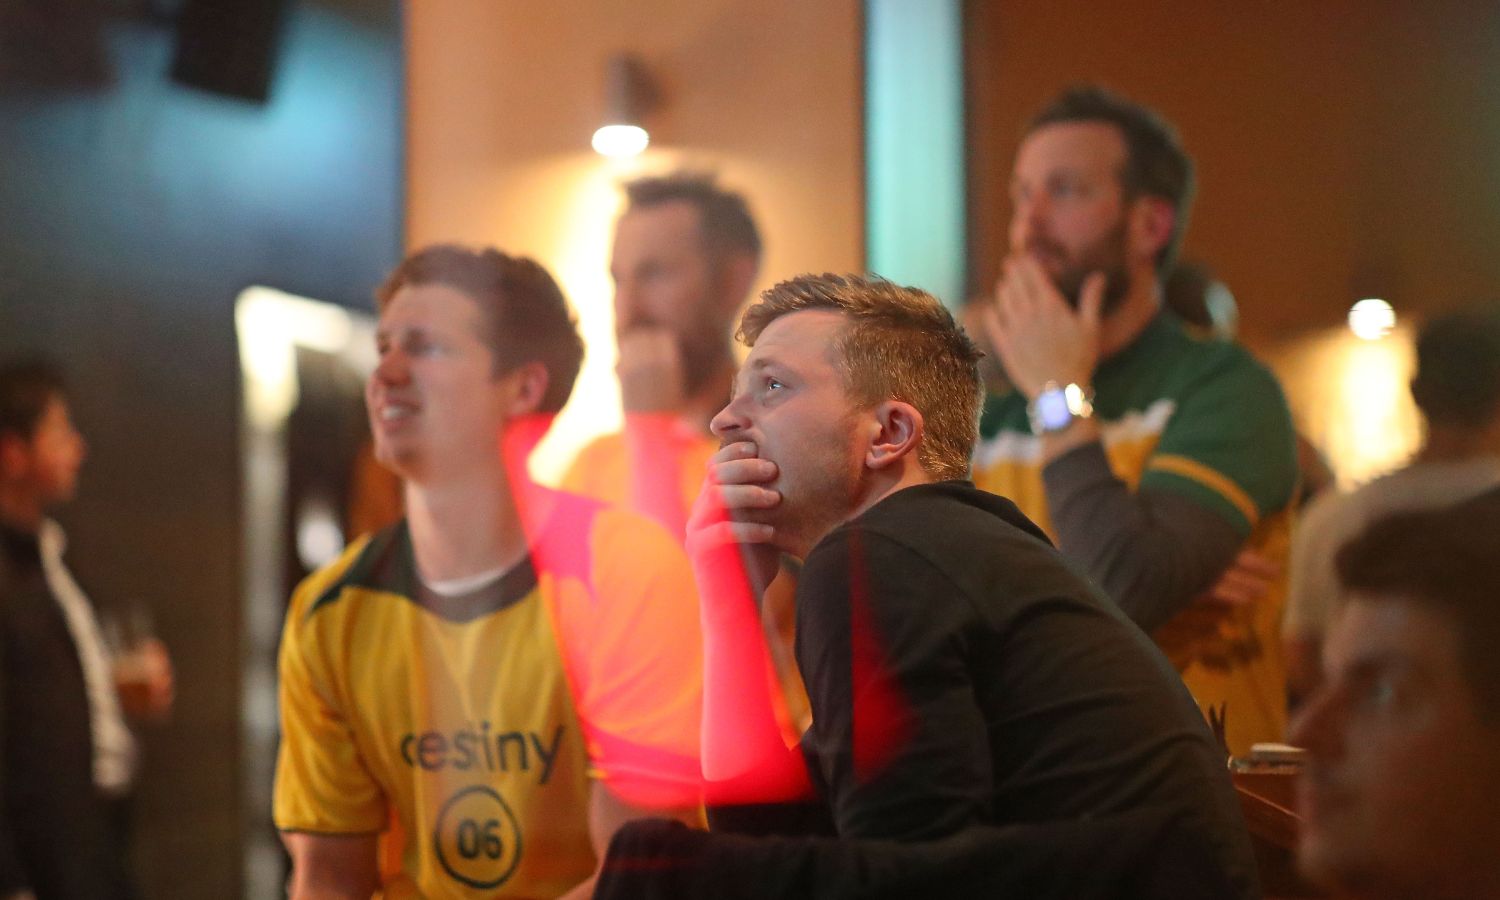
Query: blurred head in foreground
point(1400, 797)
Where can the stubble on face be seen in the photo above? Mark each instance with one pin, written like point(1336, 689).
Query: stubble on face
point(1074, 170)
point(824, 484)
point(1070, 271)
point(664, 245)
point(811, 434)
point(702, 341)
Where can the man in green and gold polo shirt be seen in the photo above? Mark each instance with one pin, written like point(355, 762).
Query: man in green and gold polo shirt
point(1155, 459)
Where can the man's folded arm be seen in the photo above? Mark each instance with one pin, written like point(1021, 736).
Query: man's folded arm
point(1151, 551)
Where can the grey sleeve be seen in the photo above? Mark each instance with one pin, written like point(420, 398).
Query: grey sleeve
point(1151, 551)
point(1312, 583)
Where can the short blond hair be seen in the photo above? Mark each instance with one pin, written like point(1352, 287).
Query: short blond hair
point(900, 344)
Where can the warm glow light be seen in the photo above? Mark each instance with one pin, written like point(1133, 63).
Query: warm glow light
point(620, 140)
point(1371, 319)
point(574, 244)
point(1351, 400)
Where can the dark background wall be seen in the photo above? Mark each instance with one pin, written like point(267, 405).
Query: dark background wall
point(131, 215)
point(1345, 149)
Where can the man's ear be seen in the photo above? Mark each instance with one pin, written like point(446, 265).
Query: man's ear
point(1151, 222)
point(13, 456)
point(898, 433)
point(737, 271)
point(526, 385)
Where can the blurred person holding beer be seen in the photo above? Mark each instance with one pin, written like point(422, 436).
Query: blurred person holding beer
point(69, 757)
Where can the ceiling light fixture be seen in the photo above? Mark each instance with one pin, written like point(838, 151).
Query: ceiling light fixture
point(629, 95)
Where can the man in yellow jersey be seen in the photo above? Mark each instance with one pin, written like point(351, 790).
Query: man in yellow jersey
point(1152, 457)
point(475, 698)
point(685, 255)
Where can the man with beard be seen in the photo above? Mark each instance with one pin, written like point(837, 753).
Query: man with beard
point(985, 723)
point(685, 254)
point(684, 258)
point(1153, 458)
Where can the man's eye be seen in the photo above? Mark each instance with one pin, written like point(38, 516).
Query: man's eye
point(772, 384)
point(1381, 692)
point(423, 346)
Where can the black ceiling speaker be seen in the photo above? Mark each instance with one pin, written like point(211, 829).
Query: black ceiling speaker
point(53, 44)
point(229, 46)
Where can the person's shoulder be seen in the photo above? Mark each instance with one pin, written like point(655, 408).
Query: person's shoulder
point(1423, 485)
point(592, 462)
point(603, 445)
point(600, 452)
point(1232, 365)
point(1218, 387)
point(955, 543)
point(596, 541)
point(354, 566)
point(904, 511)
point(936, 521)
point(1195, 358)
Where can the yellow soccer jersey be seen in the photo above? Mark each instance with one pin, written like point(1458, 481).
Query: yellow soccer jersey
point(475, 731)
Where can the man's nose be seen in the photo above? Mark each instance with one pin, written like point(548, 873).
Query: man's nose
point(728, 422)
point(392, 368)
point(1025, 222)
point(1315, 727)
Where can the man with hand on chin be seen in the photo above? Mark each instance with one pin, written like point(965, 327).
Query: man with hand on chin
point(983, 720)
point(684, 256)
point(1155, 459)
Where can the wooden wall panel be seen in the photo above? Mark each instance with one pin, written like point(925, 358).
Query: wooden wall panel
point(1344, 149)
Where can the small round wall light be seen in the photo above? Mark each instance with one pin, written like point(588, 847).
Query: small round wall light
point(1371, 319)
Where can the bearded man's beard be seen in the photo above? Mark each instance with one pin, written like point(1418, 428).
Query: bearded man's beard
point(1107, 256)
point(704, 355)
